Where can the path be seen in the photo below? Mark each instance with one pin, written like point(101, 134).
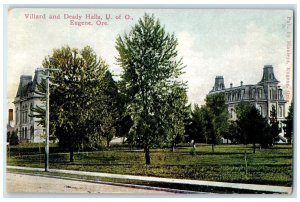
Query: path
point(39, 184)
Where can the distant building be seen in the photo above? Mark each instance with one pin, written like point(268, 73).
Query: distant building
point(10, 123)
point(263, 95)
point(26, 127)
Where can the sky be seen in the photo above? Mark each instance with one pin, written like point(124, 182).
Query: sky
point(235, 43)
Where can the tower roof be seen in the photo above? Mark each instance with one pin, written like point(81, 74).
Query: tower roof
point(268, 75)
point(27, 85)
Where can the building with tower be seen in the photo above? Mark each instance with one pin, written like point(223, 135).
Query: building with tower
point(26, 126)
point(263, 95)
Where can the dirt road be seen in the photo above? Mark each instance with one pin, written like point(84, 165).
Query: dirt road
point(37, 184)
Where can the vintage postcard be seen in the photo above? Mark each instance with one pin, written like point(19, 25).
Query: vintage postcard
point(152, 101)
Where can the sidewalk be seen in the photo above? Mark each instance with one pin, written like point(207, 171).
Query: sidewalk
point(241, 186)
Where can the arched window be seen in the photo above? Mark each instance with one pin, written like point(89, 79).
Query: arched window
point(253, 93)
point(280, 111)
point(260, 110)
point(274, 94)
point(31, 133)
point(26, 134)
point(23, 133)
point(17, 115)
point(260, 93)
point(26, 113)
point(30, 111)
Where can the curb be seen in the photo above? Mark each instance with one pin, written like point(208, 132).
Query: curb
point(174, 191)
point(238, 186)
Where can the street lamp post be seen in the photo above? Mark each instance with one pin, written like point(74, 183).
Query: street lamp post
point(47, 123)
point(47, 119)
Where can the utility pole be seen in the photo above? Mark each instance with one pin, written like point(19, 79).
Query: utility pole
point(47, 118)
point(47, 123)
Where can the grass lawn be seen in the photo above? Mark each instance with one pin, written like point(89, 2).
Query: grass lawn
point(227, 163)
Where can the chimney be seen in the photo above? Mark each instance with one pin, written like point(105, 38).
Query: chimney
point(241, 83)
point(230, 85)
point(10, 115)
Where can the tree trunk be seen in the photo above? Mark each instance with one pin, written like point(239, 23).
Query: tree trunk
point(147, 154)
point(71, 154)
point(212, 148)
point(173, 147)
point(194, 145)
point(253, 148)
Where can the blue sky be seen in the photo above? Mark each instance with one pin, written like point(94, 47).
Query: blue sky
point(233, 43)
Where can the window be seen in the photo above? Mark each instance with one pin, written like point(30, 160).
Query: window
point(231, 113)
point(280, 96)
point(17, 115)
point(26, 114)
point(260, 93)
point(30, 112)
point(260, 109)
point(280, 110)
point(31, 132)
point(274, 94)
point(253, 93)
point(243, 93)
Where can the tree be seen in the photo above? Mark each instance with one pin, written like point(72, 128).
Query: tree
point(176, 112)
point(242, 111)
point(198, 127)
point(112, 107)
point(12, 138)
point(232, 132)
point(38, 111)
point(274, 124)
point(254, 128)
point(151, 73)
point(217, 112)
point(288, 124)
point(75, 96)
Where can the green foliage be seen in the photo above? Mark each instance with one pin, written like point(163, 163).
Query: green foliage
point(216, 112)
point(288, 124)
point(267, 166)
point(12, 138)
point(82, 98)
point(150, 82)
point(112, 109)
point(253, 127)
point(39, 112)
point(274, 124)
point(200, 127)
point(233, 133)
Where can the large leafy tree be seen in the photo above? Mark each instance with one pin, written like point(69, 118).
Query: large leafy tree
point(254, 128)
point(150, 76)
point(198, 128)
point(288, 124)
point(233, 133)
point(217, 113)
point(75, 96)
point(176, 112)
point(113, 109)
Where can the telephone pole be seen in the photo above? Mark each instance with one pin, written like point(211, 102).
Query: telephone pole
point(47, 118)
